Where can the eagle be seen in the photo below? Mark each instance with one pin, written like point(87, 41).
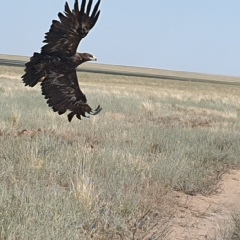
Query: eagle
point(55, 66)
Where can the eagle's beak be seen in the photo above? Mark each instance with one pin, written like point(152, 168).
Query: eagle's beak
point(93, 58)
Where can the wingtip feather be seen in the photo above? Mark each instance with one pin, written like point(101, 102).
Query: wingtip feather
point(89, 7)
point(83, 5)
point(67, 8)
point(95, 10)
point(96, 18)
point(76, 6)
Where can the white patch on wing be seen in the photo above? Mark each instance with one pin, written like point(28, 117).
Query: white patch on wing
point(55, 78)
point(55, 75)
point(73, 99)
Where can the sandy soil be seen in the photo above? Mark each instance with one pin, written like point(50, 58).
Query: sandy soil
point(199, 217)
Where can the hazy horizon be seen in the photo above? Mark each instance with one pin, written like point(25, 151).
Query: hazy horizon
point(200, 37)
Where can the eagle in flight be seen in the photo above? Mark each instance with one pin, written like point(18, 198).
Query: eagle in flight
point(55, 67)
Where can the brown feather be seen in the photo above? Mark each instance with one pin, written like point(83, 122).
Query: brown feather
point(73, 27)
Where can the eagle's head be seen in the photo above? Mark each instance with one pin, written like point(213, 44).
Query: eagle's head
point(80, 58)
point(87, 57)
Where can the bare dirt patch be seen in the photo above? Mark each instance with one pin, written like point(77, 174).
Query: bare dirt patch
point(200, 217)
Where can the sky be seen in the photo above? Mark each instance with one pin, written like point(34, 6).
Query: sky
point(184, 35)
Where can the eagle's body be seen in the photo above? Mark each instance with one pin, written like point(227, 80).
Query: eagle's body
point(55, 67)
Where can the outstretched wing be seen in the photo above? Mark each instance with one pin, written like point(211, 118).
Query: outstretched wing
point(65, 35)
point(63, 93)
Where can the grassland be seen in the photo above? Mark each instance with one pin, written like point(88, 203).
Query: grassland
point(111, 176)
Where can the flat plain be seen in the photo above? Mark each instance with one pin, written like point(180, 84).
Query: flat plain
point(113, 176)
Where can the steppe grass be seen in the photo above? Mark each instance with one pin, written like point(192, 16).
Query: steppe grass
point(108, 177)
point(236, 218)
